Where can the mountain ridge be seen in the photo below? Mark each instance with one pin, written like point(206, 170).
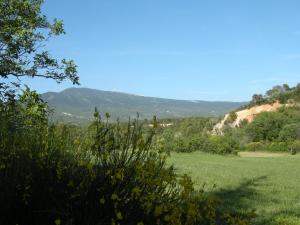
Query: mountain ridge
point(78, 104)
point(139, 95)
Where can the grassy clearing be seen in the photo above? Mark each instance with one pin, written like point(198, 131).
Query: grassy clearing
point(270, 185)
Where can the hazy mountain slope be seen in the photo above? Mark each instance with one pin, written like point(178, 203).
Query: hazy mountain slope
point(79, 103)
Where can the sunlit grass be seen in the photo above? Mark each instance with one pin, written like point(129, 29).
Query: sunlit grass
point(271, 185)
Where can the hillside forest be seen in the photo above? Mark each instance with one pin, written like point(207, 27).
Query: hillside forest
point(277, 131)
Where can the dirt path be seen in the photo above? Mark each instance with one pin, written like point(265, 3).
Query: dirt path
point(262, 154)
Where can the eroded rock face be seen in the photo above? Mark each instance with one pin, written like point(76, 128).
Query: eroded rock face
point(248, 114)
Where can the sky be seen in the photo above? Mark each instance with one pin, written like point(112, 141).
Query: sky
point(212, 50)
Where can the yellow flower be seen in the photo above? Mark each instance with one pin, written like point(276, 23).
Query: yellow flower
point(57, 222)
point(119, 216)
point(102, 201)
point(114, 197)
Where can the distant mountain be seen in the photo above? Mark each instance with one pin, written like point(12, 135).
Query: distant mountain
point(78, 104)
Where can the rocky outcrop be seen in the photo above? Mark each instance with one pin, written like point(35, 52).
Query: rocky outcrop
point(248, 114)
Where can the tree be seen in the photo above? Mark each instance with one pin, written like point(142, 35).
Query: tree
point(232, 117)
point(257, 99)
point(286, 87)
point(266, 126)
point(24, 31)
point(290, 132)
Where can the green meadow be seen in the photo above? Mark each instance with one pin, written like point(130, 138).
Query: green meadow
point(268, 184)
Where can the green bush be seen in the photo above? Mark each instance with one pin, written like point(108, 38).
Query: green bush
point(223, 144)
point(277, 147)
point(267, 146)
point(295, 147)
point(255, 146)
point(215, 144)
point(232, 117)
point(206, 143)
point(192, 144)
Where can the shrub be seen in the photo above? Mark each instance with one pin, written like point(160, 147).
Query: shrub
point(223, 144)
point(205, 143)
point(232, 117)
point(255, 146)
point(295, 147)
point(267, 146)
point(277, 147)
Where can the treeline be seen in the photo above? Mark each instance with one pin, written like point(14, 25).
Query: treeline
point(282, 93)
point(270, 131)
point(194, 134)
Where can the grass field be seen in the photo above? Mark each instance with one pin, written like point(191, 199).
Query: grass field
point(269, 184)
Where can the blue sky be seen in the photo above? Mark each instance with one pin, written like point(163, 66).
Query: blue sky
point(182, 49)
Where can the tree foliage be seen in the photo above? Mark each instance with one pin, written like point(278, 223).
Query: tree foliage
point(24, 31)
point(266, 126)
